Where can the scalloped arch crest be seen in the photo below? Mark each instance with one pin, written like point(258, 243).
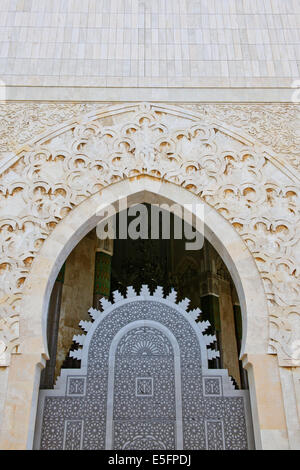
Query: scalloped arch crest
point(98, 316)
point(244, 181)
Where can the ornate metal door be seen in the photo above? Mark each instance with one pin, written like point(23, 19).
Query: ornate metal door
point(144, 393)
point(144, 383)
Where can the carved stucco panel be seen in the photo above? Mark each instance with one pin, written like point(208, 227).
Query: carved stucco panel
point(251, 188)
point(274, 125)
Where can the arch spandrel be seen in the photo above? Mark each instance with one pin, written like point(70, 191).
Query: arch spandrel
point(227, 169)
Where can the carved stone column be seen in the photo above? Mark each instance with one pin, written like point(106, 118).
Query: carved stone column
point(47, 374)
point(102, 277)
point(229, 349)
point(3, 386)
point(211, 312)
point(21, 399)
point(77, 295)
point(290, 383)
point(267, 402)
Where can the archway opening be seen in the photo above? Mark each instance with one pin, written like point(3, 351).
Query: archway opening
point(153, 256)
point(185, 263)
point(84, 218)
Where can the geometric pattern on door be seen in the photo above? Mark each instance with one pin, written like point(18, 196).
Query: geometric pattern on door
point(144, 383)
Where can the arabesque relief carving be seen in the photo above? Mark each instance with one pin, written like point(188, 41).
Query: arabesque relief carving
point(274, 125)
point(249, 186)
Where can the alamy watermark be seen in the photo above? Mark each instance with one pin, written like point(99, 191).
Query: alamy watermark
point(153, 221)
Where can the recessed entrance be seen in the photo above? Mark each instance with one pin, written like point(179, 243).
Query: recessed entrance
point(145, 367)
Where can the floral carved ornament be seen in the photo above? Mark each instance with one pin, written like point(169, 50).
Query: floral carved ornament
point(243, 180)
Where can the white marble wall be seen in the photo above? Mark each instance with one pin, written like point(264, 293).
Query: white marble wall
point(150, 43)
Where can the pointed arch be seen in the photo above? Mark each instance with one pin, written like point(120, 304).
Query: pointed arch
point(143, 189)
point(54, 185)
